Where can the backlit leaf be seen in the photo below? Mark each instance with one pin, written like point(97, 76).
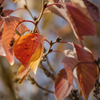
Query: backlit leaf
point(62, 86)
point(7, 12)
point(69, 64)
point(28, 50)
point(86, 71)
point(80, 23)
point(23, 72)
point(88, 8)
point(2, 52)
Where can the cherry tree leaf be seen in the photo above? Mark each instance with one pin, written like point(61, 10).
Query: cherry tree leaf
point(2, 51)
point(75, 18)
point(69, 64)
point(2, 2)
point(7, 12)
point(88, 8)
point(28, 50)
point(86, 71)
point(72, 54)
point(80, 27)
point(22, 73)
point(62, 86)
point(93, 10)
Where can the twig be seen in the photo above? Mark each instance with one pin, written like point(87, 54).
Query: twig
point(74, 94)
point(51, 44)
point(34, 82)
point(50, 65)
point(26, 7)
point(39, 18)
point(48, 73)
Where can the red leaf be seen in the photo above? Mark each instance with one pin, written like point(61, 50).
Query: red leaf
point(93, 10)
point(7, 12)
point(80, 23)
point(87, 71)
point(62, 87)
point(10, 24)
point(2, 2)
point(69, 64)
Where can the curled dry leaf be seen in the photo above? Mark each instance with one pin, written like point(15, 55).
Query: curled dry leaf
point(86, 70)
point(62, 86)
point(28, 50)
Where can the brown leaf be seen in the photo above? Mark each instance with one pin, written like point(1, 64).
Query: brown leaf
point(62, 86)
point(93, 10)
point(2, 2)
point(88, 8)
point(86, 71)
point(7, 12)
point(80, 23)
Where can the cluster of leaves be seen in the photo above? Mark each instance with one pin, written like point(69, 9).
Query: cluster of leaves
point(28, 49)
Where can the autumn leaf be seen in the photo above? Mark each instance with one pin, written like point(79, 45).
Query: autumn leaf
point(79, 22)
point(88, 8)
point(86, 71)
point(62, 86)
point(2, 51)
point(2, 2)
point(9, 35)
point(69, 64)
point(28, 50)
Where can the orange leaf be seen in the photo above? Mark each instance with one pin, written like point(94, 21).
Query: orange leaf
point(10, 24)
point(62, 86)
point(23, 72)
point(86, 71)
point(28, 50)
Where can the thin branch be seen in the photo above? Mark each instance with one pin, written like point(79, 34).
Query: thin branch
point(26, 7)
point(48, 73)
point(39, 18)
point(50, 66)
point(34, 82)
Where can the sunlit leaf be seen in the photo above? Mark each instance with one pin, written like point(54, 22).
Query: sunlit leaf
point(2, 52)
point(88, 8)
point(62, 86)
point(80, 23)
point(23, 72)
point(28, 50)
point(7, 12)
point(86, 71)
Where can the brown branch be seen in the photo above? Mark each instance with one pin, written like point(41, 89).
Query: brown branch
point(34, 82)
point(47, 72)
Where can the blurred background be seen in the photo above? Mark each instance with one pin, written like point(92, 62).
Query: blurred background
point(51, 26)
